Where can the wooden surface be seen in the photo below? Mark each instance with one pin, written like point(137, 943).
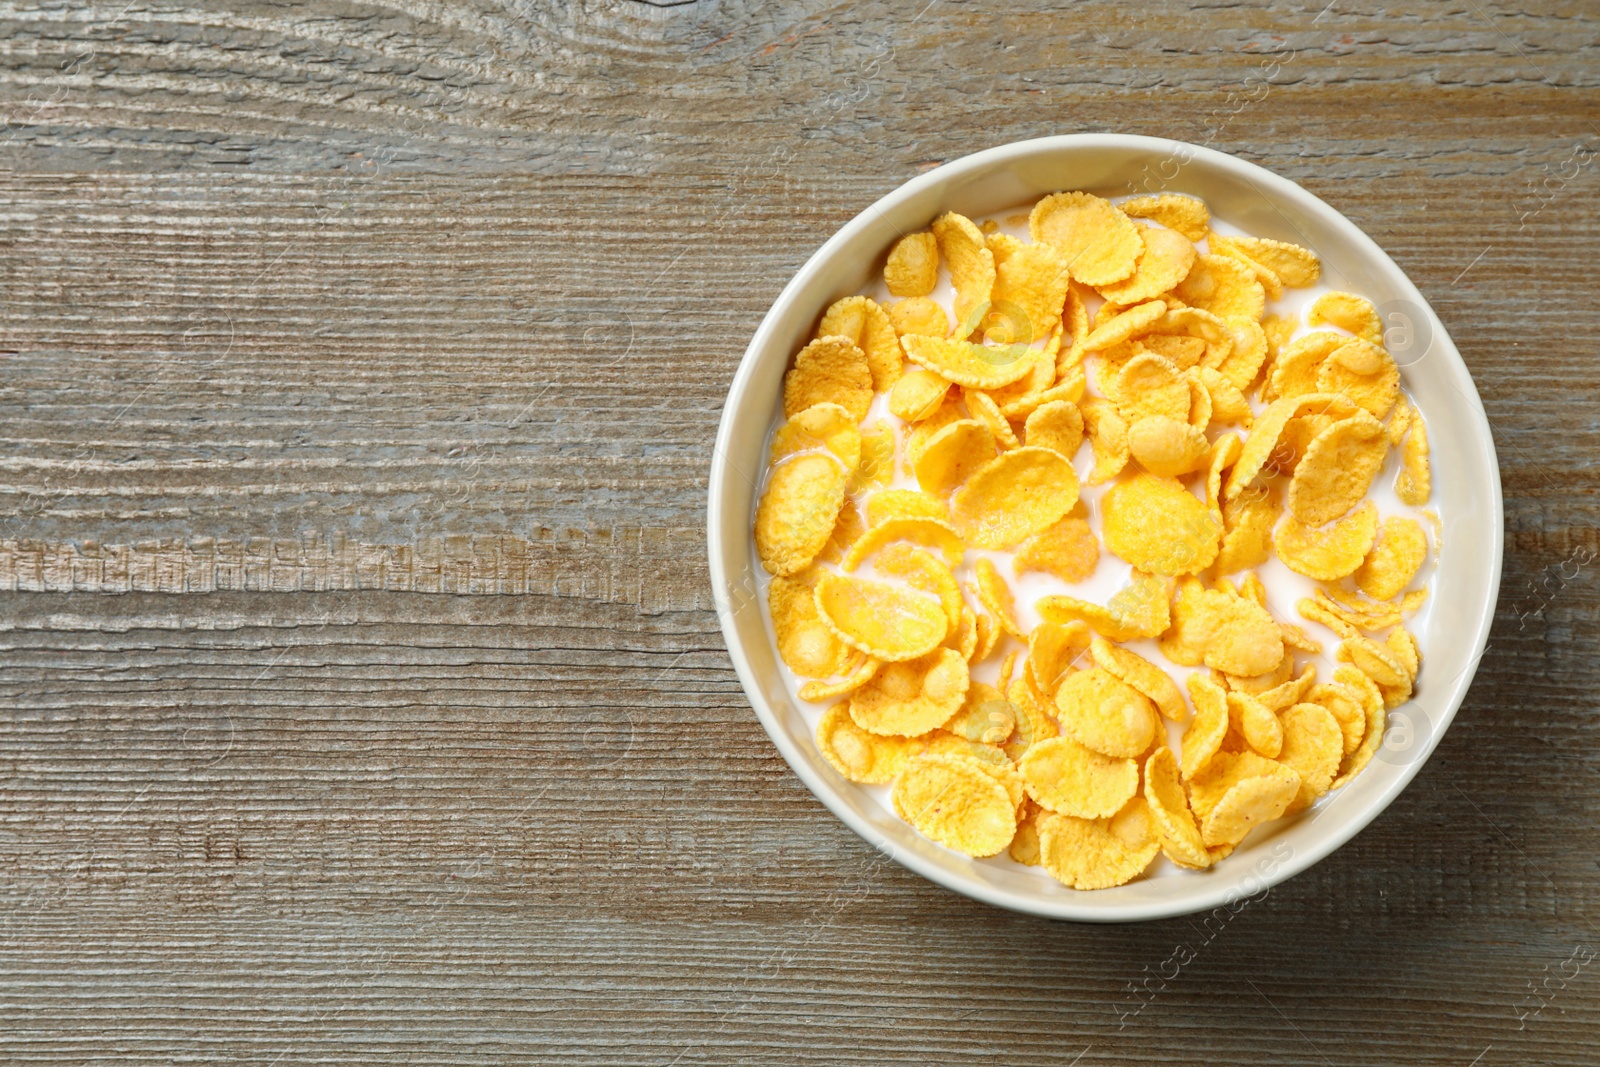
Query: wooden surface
point(363, 697)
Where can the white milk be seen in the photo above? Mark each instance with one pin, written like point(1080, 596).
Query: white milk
point(1284, 587)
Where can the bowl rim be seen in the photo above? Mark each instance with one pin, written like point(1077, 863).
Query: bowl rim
point(1271, 185)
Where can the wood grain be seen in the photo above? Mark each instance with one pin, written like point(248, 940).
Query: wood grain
point(365, 700)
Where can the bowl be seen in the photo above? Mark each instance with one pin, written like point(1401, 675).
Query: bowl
point(1466, 495)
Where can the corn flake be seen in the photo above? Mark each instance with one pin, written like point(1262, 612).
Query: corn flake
point(862, 321)
point(1066, 777)
point(829, 370)
point(1100, 711)
point(954, 802)
point(909, 698)
point(913, 265)
point(1327, 553)
point(1159, 526)
point(971, 266)
point(1098, 242)
point(1014, 496)
point(858, 755)
point(887, 622)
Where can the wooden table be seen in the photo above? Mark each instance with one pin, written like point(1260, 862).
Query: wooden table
point(364, 699)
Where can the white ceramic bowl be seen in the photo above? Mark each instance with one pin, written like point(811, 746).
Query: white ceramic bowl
point(1466, 493)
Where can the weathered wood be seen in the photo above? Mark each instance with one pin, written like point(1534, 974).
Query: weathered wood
point(365, 700)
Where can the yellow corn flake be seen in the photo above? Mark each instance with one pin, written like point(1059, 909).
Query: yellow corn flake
point(1347, 710)
point(1102, 712)
point(1150, 385)
point(1313, 746)
point(877, 457)
point(1268, 428)
point(952, 454)
point(888, 504)
point(918, 395)
point(1108, 436)
point(1180, 350)
point(1297, 267)
point(914, 696)
point(986, 716)
point(986, 637)
point(1328, 615)
point(1184, 214)
point(986, 411)
point(805, 643)
point(1165, 261)
point(1337, 469)
point(1070, 779)
point(1034, 723)
point(1025, 846)
point(1134, 670)
point(1029, 289)
point(970, 263)
point(1256, 723)
point(1404, 646)
point(1224, 631)
point(857, 673)
point(1225, 287)
point(1159, 526)
point(963, 637)
point(996, 597)
point(1203, 736)
point(1098, 242)
point(1225, 453)
point(1091, 854)
point(1256, 684)
point(1377, 721)
point(1067, 549)
point(1174, 823)
point(1166, 447)
point(1199, 401)
point(1055, 649)
point(919, 314)
point(913, 265)
point(1247, 539)
point(1414, 484)
point(1348, 312)
point(965, 363)
point(1365, 373)
point(861, 757)
point(1140, 609)
point(1327, 553)
point(862, 321)
point(1248, 804)
point(1394, 561)
point(1123, 324)
point(921, 569)
point(1228, 404)
point(1014, 496)
point(930, 533)
point(1271, 284)
point(821, 426)
point(945, 743)
point(1016, 400)
point(796, 514)
point(954, 802)
point(1359, 611)
point(1242, 360)
point(829, 370)
point(847, 529)
point(1057, 426)
point(887, 622)
point(1376, 661)
point(1295, 371)
point(1291, 692)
